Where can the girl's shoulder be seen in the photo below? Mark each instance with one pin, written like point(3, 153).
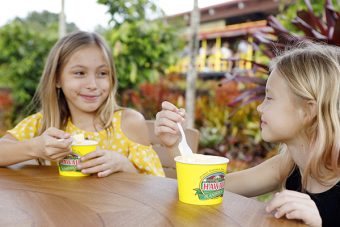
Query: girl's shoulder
point(28, 127)
point(133, 125)
point(127, 116)
point(34, 119)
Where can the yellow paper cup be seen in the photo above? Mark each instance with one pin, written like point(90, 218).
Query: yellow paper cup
point(68, 166)
point(201, 178)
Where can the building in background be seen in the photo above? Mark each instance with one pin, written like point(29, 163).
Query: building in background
point(226, 33)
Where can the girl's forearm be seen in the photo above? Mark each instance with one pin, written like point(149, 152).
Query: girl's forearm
point(13, 151)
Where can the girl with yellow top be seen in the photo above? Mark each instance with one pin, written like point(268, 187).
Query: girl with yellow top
point(77, 95)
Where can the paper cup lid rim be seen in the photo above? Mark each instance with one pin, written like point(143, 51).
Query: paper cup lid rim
point(222, 160)
point(87, 143)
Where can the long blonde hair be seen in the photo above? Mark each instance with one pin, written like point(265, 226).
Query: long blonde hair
point(52, 101)
point(312, 71)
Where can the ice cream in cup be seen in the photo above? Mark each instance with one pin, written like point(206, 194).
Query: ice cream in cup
point(201, 178)
point(80, 147)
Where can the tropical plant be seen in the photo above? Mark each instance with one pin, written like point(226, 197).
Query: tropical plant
point(143, 47)
point(123, 11)
point(147, 99)
point(143, 50)
point(324, 28)
point(24, 45)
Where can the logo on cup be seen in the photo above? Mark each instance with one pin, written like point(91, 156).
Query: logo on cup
point(211, 186)
point(69, 163)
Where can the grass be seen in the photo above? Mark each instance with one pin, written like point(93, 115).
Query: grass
point(265, 197)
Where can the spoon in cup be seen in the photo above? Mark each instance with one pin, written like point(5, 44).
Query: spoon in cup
point(183, 145)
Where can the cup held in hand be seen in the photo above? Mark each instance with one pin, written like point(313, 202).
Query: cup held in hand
point(68, 165)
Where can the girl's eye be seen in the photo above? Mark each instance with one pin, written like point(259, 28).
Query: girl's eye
point(79, 73)
point(103, 74)
point(268, 98)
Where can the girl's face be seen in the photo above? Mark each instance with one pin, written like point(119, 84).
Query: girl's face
point(85, 80)
point(281, 112)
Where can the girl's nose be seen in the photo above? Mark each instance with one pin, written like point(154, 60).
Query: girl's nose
point(91, 82)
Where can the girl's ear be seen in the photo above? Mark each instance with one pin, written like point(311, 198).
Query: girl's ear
point(311, 110)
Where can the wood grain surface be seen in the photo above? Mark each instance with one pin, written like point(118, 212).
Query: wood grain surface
point(38, 196)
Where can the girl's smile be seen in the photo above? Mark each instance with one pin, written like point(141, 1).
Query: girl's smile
point(90, 98)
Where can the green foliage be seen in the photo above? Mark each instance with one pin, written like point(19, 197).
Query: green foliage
point(288, 13)
point(24, 45)
point(127, 11)
point(143, 48)
point(46, 21)
point(143, 51)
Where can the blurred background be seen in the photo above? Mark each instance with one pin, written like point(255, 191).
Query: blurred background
point(209, 57)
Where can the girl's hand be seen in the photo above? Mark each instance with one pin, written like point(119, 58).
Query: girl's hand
point(53, 144)
point(166, 124)
point(104, 163)
point(295, 205)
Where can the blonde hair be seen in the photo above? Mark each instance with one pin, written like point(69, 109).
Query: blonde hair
point(312, 71)
point(52, 101)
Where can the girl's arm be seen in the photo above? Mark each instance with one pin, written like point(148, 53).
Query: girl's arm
point(47, 146)
point(134, 127)
point(257, 180)
point(13, 151)
point(251, 182)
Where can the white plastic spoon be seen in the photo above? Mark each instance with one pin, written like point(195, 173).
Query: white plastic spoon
point(183, 145)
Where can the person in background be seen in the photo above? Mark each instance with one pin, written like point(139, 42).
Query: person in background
point(226, 52)
point(301, 110)
point(77, 96)
point(226, 55)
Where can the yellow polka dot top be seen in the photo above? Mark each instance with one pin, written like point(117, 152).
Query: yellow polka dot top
point(144, 158)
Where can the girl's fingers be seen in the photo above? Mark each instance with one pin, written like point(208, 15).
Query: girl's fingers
point(95, 169)
point(295, 214)
point(163, 129)
point(290, 207)
point(105, 173)
point(57, 133)
point(60, 143)
point(166, 114)
point(59, 156)
point(92, 162)
point(181, 111)
point(168, 106)
point(54, 152)
point(92, 155)
point(283, 197)
point(167, 123)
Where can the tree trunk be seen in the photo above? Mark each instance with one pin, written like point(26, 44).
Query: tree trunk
point(192, 74)
point(62, 26)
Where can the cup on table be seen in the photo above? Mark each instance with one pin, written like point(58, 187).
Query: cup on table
point(68, 165)
point(201, 178)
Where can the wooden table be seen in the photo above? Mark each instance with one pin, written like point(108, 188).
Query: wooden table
point(38, 196)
